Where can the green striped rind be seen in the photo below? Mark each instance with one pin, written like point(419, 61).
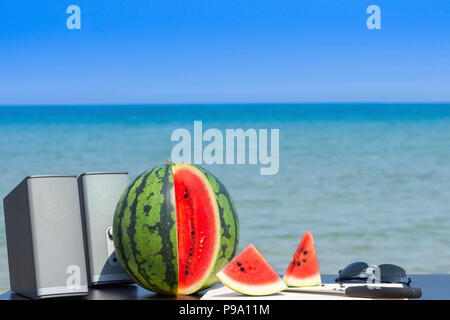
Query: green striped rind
point(229, 227)
point(145, 233)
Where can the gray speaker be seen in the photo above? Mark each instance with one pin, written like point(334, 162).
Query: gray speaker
point(45, 238)
point(100, 192)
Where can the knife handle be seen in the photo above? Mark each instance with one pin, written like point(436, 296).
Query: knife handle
point(383, 292)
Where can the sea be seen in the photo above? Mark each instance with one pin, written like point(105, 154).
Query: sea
point(370, 181)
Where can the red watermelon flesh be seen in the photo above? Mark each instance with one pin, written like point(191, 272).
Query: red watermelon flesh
point(303, 271)
point(249, 273)
point(197, 228)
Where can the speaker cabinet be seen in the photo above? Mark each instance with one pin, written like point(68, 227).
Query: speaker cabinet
point(45, 238)
point(100, 192)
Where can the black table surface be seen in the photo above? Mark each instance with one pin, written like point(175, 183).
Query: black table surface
point(434, 287)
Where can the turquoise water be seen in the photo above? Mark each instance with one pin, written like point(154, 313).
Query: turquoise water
point(370, 182)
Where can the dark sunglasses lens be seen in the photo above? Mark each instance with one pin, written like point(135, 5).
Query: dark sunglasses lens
point(391, 273)
point(353, 269)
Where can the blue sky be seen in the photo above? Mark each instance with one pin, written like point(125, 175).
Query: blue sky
point(224, 51)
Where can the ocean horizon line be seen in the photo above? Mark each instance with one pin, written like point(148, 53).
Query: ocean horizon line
point(218, 104)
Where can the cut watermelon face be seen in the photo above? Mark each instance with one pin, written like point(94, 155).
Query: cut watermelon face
point(249, 273)
point(197, 216)
point(303, 271)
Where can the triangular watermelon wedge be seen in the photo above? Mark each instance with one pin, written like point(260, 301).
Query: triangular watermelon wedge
point(303, 271)
point(249, 273)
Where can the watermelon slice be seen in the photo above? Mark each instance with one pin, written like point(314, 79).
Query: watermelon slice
point(249, 273)
point(303, 271)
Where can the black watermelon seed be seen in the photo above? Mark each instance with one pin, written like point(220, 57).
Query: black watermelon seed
point(242, 269)
point(304, 260)
point(301, 249)
point(305, 252)
point(190, 254)
point(298, 264)
point(186, 272)
point(238, 263)
point(193, 232)
point(185, 195)
point(293, 262)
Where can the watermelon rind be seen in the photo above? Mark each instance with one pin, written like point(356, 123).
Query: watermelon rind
point(146, 240)
point(312, 281)
point(252, 290)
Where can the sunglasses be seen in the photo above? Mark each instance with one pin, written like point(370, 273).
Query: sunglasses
point(387, 273)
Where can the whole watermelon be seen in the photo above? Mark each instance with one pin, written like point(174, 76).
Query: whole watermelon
point(174, 228)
